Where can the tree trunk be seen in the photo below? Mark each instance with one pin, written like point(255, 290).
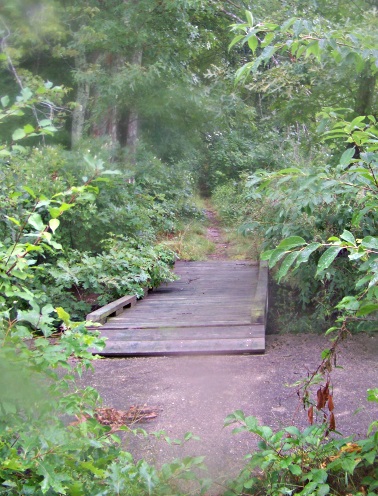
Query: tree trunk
point(132, 133)
point(366, 92)
point(82, 99)
point(106, 121)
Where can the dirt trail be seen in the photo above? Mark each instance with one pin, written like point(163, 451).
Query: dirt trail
point(196, 393)
point(215, 234)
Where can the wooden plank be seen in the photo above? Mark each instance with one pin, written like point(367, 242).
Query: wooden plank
point(212, 309)
point(260, 300)
point(183, 333)
point(114, 308)
point(181, 324)
point(135, 348)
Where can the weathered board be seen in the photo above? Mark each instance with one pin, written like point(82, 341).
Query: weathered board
point(215, 307)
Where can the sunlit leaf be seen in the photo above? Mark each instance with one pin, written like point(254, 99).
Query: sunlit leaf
point(18, 134)
point(35, 220)
point(54, 223)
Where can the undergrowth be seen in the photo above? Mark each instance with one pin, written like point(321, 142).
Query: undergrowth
point(190, 242)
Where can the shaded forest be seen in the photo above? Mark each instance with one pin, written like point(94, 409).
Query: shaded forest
point(119, 119)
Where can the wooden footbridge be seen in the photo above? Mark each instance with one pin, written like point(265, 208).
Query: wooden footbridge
point(215, 307)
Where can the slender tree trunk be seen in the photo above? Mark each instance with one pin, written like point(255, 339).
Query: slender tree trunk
point(132, 133)
point(366, 92)
point(106, 122)
point(82, 99)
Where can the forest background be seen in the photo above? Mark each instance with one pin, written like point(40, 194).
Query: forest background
point(115, 116)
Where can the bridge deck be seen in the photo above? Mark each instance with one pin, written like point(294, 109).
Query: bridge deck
point(215, 307)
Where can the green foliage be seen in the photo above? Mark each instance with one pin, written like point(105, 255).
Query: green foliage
point(351, 178)
point(231, 203)
point(228, 155)
point(43, 450)
point(305, 462)
point(310, 200)
point(124, 267)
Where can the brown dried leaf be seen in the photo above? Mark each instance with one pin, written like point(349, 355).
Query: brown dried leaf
point(310, 414)
point(321, 403)
point(326, 393)
point(331, 406)
point(332, 422)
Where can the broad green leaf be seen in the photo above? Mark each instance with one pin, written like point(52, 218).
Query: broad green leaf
point(334, 135)
point(347, 156)
point(54, 223)
point(62, 314)
point(253, 43)
point(5, 101)
point(287, 24)
point(291, 242)
point(366, 309)
point(18, 134)
point(357, 121)
point(35, 220)
point(293, 431)
point(276, 256)
point(313, 49)
point(235, 40)
point(322, 490)
point(268, 52)
point(348, 237)
point(306, 252)
point(45, 122)
point(295, 469)
point(286, 264)
point(267, 40)
point(349, 303)
point(26, 93)
point(327, 258)
point(19, 274)
point(30, 191)
point(357, 255)
point(28, 129)
point(349, 464)
point(249, 17)
point(243, 71)
point(54, 212)
point(373, 280)
point(47, 236)
point(300, 51)
point(56, 245)
point(266, 255)
point(370, 242)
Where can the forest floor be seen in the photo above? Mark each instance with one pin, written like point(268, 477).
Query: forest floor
point(196, 393)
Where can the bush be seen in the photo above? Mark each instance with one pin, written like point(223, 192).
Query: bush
point(123, 267)
point(309, 462)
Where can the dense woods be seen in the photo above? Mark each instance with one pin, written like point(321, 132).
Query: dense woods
point(116, 118)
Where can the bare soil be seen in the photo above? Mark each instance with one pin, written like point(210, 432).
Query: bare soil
point(196, 393)
point(215, 235)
